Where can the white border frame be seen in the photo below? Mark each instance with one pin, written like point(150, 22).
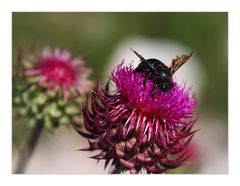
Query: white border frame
point(10, 6)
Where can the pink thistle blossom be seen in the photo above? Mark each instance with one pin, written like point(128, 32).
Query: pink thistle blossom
point(59, 69)
point(138, 129)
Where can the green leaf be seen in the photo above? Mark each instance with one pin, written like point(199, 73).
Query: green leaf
point(64, 120)
point(39, 116)
point(41, 99)
point(17, 100)
point(61, 102)
point(32, 122)
point(25, 97)
point(35, 109)
point(23, 111)
point(33, 79)
point(72, 109)
point(54, 110)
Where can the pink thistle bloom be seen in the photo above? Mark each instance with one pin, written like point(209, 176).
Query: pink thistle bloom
point(59, 69)
point(137, 128)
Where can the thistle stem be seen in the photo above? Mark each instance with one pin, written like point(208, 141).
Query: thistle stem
point(29, 148)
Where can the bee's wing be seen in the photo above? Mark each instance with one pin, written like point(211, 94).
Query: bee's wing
point(178, 62)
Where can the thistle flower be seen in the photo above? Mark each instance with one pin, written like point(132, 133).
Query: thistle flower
point(51, 88)
point(59, 69)
point(48, 93)
point(138, 129)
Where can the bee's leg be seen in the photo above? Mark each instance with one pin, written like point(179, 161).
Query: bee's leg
point(152, 90)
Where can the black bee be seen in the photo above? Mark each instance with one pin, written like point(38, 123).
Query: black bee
point(158, 72)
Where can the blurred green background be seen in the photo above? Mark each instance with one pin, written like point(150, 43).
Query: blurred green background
point(97, 35)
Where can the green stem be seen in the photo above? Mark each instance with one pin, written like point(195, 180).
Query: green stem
point(28, 149)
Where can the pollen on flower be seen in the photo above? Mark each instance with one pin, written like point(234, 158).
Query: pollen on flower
point(135, 130)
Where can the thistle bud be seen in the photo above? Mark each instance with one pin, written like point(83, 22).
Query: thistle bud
point(51, 87)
